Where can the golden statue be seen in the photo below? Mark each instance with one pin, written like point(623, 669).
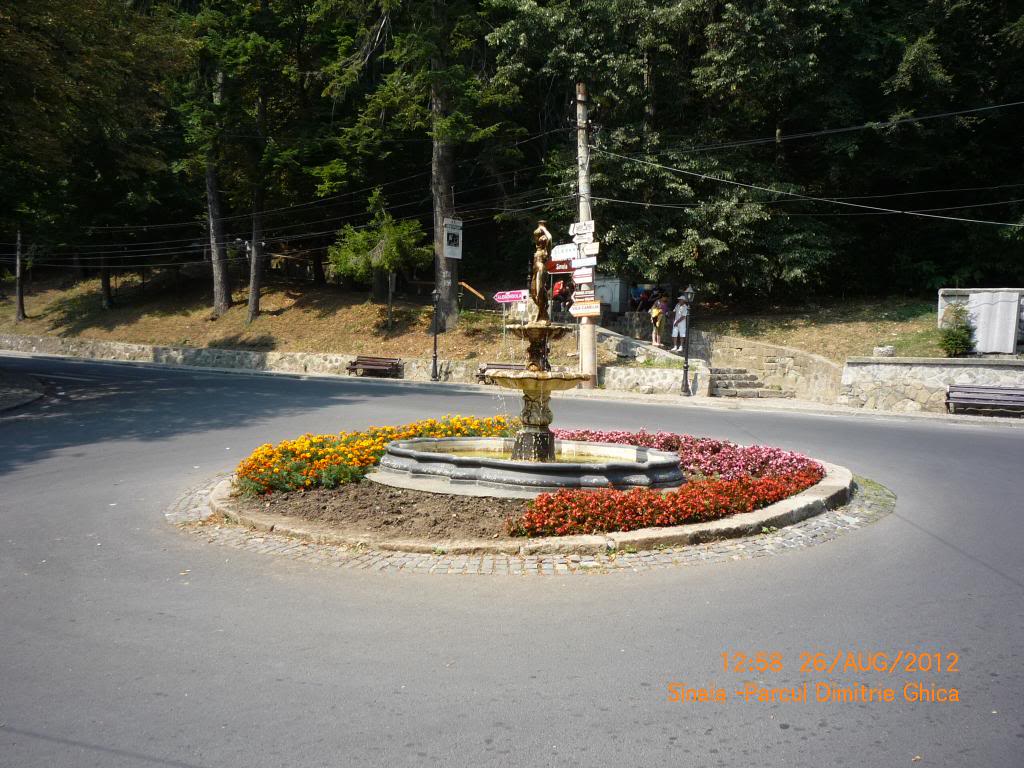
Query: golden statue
point(539, 271)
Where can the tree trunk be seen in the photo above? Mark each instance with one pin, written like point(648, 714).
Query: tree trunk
point(379, 289)
point(256, 255)
point(319, 278)
point(108, 299)
point(442, 173)
point(19, 285)
point(258, 201)
point(218, 248)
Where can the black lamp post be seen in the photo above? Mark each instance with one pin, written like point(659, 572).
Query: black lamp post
point(435, 295)
point(687, 297)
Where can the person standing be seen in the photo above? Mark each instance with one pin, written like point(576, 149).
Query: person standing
point(658, 314)
point(680, 317)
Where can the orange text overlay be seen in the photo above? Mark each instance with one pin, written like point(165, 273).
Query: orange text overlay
point(914, 691)
point(843, 661)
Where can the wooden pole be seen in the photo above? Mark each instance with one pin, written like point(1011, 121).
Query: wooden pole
point(19, 283)
point(588, 328)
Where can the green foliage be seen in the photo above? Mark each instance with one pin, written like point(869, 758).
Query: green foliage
point(384, 245)
point(112, 115)
point(957, 334)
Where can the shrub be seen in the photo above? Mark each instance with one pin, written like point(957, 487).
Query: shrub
point(956, 338)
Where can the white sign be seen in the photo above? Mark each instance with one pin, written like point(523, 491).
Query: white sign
point(582, 228)
point(583, 295)
point(583, 275)
point(565, 251)
point(590, 249)
point(586, 308)
point(587, 238)
point(453, 238)
point(511, 297)
point(590, 261)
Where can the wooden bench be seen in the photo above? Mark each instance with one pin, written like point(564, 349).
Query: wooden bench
point(380, 366)
point(481, 374)
point(987, 398)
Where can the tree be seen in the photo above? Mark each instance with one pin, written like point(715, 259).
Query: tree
point(422, 65)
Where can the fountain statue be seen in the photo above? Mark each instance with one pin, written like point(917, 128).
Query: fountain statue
point(533, 461)
point(535, 441)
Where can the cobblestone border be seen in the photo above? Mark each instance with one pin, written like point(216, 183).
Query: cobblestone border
point(869, 502)
point(832, 491)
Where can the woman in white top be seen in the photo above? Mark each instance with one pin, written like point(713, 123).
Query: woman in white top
point(679, 318)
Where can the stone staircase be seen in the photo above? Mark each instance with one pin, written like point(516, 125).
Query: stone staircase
point(739, 382)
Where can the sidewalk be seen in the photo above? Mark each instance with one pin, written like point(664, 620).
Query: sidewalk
point(781, 405)
point(784, 405)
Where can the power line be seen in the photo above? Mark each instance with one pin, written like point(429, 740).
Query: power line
point(708, 177)
point(847, 129)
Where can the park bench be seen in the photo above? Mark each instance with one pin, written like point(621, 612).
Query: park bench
point(987, 398)
point(380, 366)
point(481, 374)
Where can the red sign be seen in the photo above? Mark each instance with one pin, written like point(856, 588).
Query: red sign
point(560, 267)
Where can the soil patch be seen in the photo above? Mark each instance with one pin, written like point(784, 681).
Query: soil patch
point(369, 507)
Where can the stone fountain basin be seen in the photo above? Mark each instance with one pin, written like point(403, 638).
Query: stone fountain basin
point(454, 465)
point(536, 382)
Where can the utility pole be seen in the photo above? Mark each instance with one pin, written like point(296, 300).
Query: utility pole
point(19, 284)
point(588, 328)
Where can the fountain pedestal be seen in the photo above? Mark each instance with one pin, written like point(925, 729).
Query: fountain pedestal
point(535, 441)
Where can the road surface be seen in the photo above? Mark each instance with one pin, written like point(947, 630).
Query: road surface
point(126, 643)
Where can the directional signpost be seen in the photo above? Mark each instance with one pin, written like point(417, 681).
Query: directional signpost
point(585, 303)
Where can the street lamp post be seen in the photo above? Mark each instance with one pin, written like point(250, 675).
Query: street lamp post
point(688, 298)
point(435, 295)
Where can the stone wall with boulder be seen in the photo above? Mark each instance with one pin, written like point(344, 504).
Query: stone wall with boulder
point(809, 376)
point(919, 383)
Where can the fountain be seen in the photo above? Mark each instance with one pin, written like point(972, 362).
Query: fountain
point(534, 461)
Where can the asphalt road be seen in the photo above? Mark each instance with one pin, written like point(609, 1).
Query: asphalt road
point(125, 643)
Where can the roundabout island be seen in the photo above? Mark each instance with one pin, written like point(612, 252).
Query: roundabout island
point(469, 486)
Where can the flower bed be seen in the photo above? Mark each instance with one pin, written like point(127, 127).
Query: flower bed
point(724, 478)
point(326, 461)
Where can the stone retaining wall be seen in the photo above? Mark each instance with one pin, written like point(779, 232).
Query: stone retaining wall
point(919, 383)
point(653, 380)
point(637, 379)
point(810, 376)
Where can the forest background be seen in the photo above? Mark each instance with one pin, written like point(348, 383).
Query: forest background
point(759, 150)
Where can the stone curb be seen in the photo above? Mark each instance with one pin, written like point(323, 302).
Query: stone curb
point(833, 491)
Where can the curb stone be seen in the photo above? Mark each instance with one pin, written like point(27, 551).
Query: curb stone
point(831, 492)
point(869, 503)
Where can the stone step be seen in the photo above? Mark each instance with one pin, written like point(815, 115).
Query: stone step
point(728, 370)
point(731, 377)
point(751, 393)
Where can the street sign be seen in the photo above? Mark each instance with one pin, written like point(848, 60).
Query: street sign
point(582, 227)
point(565, 251)
point(511, 297)
point(453, 238)
point(583, 275)
point(559, 267)
point(587, 238)
point(590, 249)
point(589, 261)
point(581, 295)
point(588, 308)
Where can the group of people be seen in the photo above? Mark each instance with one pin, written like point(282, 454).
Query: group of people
point(661, 312)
